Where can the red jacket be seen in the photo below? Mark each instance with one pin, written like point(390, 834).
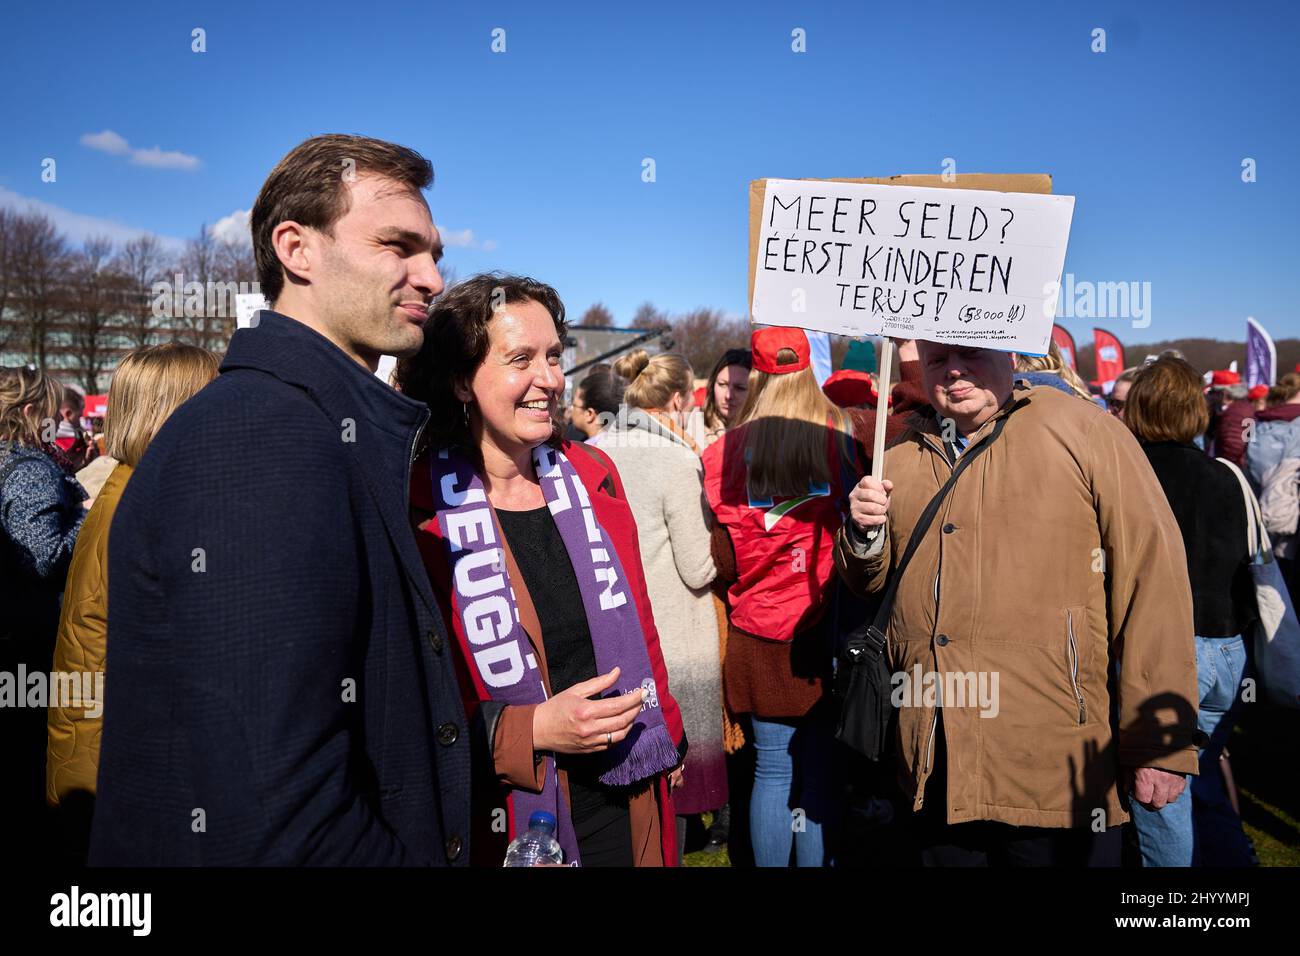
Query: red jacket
point(609, 501)
point(1229, 439)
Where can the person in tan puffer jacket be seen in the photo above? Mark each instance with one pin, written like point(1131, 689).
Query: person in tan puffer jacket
point(1053, 582)
point(147, 387)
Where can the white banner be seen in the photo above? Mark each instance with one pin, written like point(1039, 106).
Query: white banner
point(948, 265)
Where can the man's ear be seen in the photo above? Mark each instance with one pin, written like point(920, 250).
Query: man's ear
point(290, 241)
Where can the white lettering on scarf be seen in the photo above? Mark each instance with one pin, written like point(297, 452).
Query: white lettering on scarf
point(477, 523)
point(487, 619)
point(604, 570)
point(454, 498)
point(471, 588)
point(509, 653)
point(548, 469)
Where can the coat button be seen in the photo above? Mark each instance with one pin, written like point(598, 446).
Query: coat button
point(435, 639)
point(447, 734)
point(942, 640)
point(454, 846)
point(949, 528)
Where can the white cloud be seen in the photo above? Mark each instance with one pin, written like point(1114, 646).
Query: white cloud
point(464, 239)
point(154, 157)
point(233, 228)
point(461, 239)
point(107, 141)
point(79, 227)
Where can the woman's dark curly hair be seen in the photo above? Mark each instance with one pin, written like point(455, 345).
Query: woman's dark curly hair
point(456, 343)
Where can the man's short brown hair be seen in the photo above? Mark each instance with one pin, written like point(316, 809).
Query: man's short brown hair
point(309, 187)
point(1166, 402)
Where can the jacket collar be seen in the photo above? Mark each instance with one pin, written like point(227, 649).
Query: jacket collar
point(639, 419)
point(300, 356)
point(929, 432)
point(378, 426)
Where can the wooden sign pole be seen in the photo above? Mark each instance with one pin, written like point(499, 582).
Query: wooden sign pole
point(882, 407)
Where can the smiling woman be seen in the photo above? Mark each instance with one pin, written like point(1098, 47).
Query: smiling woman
point(532, 549)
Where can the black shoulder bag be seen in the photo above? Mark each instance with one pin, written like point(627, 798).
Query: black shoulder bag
point(863, 676)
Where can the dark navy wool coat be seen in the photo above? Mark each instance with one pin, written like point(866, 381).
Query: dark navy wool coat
point(279, 686)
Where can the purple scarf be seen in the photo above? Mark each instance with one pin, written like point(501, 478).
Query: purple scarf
point(486, 620)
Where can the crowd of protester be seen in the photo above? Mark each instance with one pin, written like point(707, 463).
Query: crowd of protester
point(343, 622)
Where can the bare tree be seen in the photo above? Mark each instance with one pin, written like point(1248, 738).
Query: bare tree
point(140, 263)
point(598, 315)
point(648, 317)
point(94, 308)
point(39, 257)
point(704, 334)
point(199, 321)
point(7, 219)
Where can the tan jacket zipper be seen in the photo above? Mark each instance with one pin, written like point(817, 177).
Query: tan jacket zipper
point(1074, 669)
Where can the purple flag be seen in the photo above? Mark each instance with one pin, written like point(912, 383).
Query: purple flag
point(1261, 355)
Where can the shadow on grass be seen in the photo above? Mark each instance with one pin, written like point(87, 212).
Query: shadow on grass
point(1261, 750)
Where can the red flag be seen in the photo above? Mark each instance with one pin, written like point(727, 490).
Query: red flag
point(1110, 358)
point(1065, 342)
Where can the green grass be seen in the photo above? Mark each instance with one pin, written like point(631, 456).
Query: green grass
point(699, 857)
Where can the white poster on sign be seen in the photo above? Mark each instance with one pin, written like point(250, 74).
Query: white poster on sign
point(948, 265)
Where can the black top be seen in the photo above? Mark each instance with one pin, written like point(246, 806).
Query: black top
point(1207, 502)
point(600, 816)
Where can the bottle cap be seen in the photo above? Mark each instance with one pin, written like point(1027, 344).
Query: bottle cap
point(542, 819)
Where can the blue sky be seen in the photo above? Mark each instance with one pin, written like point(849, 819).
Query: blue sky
point(538, 150)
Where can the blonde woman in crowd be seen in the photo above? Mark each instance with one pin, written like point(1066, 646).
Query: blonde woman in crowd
point(664, 480)
point(41, 512)
point(777, 483)
point(148, 386)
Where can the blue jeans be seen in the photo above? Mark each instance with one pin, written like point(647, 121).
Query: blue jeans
point(793, 802)
point(1200, 827)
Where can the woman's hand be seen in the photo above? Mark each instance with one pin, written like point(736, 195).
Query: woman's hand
point(569, 723)
point(675, 778)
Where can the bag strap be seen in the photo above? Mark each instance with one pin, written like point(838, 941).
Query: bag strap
point(1257, 541)
point(928, 515)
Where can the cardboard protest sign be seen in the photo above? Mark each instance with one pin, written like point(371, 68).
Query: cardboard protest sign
point(910, 257)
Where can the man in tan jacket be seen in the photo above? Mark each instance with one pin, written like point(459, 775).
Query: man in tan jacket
point(1042, 637)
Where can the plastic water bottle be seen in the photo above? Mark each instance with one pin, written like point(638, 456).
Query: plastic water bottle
point(538, 846)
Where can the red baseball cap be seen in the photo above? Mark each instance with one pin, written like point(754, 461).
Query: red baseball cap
point(1224, 376)
point(1258, 392)
point(847, 387)
point(767, 343)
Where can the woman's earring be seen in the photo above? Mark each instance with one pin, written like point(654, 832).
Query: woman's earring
point(464, 409)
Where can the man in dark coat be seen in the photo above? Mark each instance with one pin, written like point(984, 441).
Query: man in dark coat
point(281, 690)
